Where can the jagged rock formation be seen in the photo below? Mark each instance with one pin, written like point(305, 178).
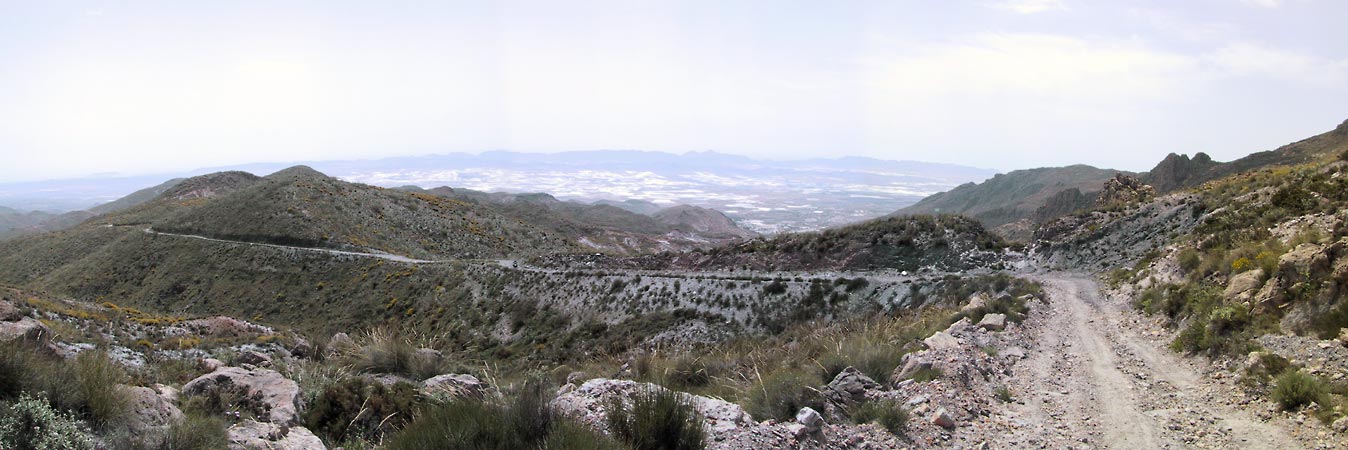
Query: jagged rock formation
point(1178, 171)
point(1122, 190)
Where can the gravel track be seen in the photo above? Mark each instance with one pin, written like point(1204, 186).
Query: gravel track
point(1095, 382)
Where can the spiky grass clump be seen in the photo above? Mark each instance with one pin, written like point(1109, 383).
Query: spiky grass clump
point(659, 419)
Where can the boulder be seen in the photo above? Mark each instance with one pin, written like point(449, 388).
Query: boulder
point(8, 312)
point(146, 408)
point(255, 358)
point(850, 386)
point(993, 322)
point(263, 392)
point(941, 341)
point(576, 378)
point(221, 326)
point(811, 419)
point(453, 386)
point(26, 328)
point(1244, 285)
point(254, 435)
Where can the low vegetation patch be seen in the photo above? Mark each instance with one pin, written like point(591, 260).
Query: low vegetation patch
point(658, 419)
point(523, 421)
point(888, 414)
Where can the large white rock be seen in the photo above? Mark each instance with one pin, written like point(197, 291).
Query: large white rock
point(267, 394)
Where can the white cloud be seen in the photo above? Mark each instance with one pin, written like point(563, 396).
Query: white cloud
point(1041, 65)
point(1257, 60)
point(1265, 3)
point(1031, 6)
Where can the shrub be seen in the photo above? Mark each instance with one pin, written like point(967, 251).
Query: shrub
point(886, 413)
point(659, 419)
point(1294, 389)
point(1189, 260)
point(97, 379)
point(926, 374)
point(783, 393)
point(357, 408)
point(384, 350)
point(31, 423)
point(1003, 394)
point(194, 432)
point(525, 421)
point(688, 371)
point(875, 359)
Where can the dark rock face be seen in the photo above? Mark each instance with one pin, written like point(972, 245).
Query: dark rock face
point(1063, 203)
point(1177, 171)
point(1342, 130)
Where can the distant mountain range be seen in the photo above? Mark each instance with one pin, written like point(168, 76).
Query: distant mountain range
point(763, 196)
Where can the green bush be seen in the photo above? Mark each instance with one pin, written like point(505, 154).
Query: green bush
point(524, 421)
point(782, 394)
point(1189, 260)
point(97, 379)
point(86, 387)
point(1294, 389)
point(31, 423)
point(357, 408)
point(886, 413)
point(659, 419)
point(687, 371)
point(925, 375)
point(194, 432)
point(384, 350)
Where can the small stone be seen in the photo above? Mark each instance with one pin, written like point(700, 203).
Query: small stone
point(993, 322)
point(810, 419)
point(942, 418)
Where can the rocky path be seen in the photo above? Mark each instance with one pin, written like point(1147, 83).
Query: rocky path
point(1093, 380)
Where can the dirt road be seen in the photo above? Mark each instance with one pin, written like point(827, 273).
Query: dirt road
point(1093, 381)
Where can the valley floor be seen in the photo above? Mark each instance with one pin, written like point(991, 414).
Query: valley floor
point(1099, 375)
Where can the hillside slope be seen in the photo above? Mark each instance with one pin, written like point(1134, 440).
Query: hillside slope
point(299, 206)
point(1013, 196)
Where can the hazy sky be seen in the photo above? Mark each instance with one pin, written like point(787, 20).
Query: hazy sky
point(135, 87)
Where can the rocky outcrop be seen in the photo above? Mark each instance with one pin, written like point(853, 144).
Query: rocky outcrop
point(254, 435)
point(1178, 171)
point(264, 393)
point(26, 328)
point(850, 386)
point(1123, 190)
point(1066, 201)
